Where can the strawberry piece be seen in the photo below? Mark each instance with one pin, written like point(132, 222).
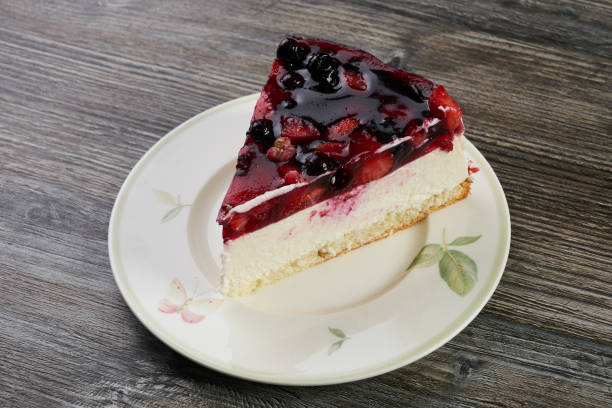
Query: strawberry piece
point(362, 142)
point(238, 221)
point(341, 129)
point(333, 150)
point(374, 167)
point(298, 130)
point(355, 80)
point(444, 107)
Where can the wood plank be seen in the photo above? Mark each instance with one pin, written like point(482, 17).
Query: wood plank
point(87, 88)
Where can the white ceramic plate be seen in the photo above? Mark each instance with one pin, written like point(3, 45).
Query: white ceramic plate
point(354, 317)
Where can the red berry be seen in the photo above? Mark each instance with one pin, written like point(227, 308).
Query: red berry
point(334, 150)
point(298, 130)
point(282, 170)
point(444, 107)
point(282, 150)
point(362, 142)
point(374, 167)
point(292, 177)
point(238, 221)
point(355, 80)
point(341, 129)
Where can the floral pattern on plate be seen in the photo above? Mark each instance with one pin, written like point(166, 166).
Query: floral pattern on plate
point(192, 309)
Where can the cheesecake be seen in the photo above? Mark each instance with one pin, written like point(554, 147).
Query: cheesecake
point(342, 150)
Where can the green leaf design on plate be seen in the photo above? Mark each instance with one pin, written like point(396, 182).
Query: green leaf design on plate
point(459, 271)
point(429, 255)
point(334, 347)
point(337, 332)
point(465, 240)
point(165, 197)
point(172, 213)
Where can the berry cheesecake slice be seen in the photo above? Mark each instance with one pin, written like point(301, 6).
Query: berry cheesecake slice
point(342, 150)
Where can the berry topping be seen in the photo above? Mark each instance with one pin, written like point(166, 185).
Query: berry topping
point(292, 52)
point(238, 221)
point(243, 164)
point(341, 129)
point(288, 104)
point(317, 164)
point(324, 69)
point(340, 178)
point(363, 142)
point(262, 131)
point(374, 167)
point(292, 177)
point(394, 110)
point(306, 198)
point(327, 110)
point(445, 107)
point(292, 80)
point(355, 80)
point(298, 130)
point(334, 150)
point(282, 150)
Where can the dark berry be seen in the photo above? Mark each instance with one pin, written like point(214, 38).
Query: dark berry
point(324, 69)
point(426, 114)
point(292, 52)
point(243, 164)
point(288, 104)
point(292, 80)
point(340, 179)
point(262, 131)
point(316, 165)
point(329, 82)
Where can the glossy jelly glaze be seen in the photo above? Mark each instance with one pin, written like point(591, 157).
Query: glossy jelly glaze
point(331, 118)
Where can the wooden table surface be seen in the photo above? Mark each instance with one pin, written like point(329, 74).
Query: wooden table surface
point(86, 88)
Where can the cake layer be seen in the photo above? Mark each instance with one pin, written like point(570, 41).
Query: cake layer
point(364, 214)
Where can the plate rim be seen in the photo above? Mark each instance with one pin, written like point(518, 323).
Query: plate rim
point(130, 298)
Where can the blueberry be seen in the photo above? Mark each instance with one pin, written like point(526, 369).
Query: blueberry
point(262, 131)
point(292, 80)
point(340, 179)
point(324, 69)
point(316, 165)
point(292, 52)
point(329, 82)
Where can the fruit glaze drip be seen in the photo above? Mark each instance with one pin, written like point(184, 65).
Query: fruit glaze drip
point(328, 119)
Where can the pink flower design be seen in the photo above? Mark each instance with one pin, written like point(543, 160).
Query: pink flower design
point(191, 309)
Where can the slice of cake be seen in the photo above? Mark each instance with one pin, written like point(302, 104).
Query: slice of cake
point(342, 150)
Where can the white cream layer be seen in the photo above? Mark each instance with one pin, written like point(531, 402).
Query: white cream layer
point(252, 255)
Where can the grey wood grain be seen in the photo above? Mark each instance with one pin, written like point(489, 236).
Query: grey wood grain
point(86, 88)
